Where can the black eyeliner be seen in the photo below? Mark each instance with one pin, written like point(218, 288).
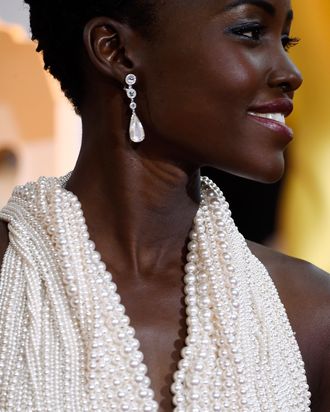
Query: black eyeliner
point(240, 28)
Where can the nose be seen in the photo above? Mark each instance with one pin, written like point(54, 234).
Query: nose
point(284, 75)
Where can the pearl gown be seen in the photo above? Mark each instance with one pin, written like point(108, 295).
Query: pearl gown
point(66, 343)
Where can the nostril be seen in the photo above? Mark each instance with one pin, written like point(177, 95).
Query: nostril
point(285, 76)
point(286, 87)
point(286, 83)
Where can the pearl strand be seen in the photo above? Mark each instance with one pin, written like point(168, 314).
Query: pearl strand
point(66, 343)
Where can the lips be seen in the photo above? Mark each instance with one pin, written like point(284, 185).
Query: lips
point(283, 106)
point(272, 115)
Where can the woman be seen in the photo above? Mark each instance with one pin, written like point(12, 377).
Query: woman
point(162, 89)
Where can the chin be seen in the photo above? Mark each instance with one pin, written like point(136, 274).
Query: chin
point(268, 169)
point(262, 169)
point(270, 179)
point(267, 173)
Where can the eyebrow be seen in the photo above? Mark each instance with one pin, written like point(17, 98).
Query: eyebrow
point(269, 8)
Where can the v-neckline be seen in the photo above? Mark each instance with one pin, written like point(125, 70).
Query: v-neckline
point(108, 277)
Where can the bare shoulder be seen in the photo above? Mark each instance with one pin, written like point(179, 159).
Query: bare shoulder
point(4, 240)
point(295, 278)
point(305, 292)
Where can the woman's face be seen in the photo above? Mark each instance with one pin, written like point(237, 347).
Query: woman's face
point(209, 77)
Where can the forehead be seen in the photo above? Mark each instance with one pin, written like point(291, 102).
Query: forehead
point(189, 16)
point(205, 7)
point(271, 7)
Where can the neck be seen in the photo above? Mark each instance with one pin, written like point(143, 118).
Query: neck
point(139, 211)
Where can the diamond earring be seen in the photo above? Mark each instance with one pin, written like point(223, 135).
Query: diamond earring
point(136, 131)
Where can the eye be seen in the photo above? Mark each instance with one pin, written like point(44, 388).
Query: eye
point(289, 42)
point(250, 31)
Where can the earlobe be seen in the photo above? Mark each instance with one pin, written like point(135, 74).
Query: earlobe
point(105, 48)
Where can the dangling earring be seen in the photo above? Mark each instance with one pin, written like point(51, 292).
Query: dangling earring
point(136, 131)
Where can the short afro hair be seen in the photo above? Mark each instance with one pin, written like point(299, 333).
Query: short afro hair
point(57, 26)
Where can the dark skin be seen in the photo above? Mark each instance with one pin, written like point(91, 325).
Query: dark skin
point(197, 79)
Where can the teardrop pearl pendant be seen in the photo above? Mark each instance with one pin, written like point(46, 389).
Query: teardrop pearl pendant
point(136, 131)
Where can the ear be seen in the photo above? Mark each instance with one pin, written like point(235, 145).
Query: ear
point(106, 42)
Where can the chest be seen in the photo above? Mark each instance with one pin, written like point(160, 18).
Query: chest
point(159, 319)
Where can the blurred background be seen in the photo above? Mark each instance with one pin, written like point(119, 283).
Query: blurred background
point(40, 135)
point(39, 131)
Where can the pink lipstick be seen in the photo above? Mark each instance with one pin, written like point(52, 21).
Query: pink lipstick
point(272, 115)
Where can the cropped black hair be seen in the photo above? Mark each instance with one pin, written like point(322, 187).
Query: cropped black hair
point(57, 26)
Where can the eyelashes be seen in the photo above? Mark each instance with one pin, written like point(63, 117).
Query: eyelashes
point(289, 42)
point(254, 32)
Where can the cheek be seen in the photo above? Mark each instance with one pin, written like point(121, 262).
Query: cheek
point(200, 96)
